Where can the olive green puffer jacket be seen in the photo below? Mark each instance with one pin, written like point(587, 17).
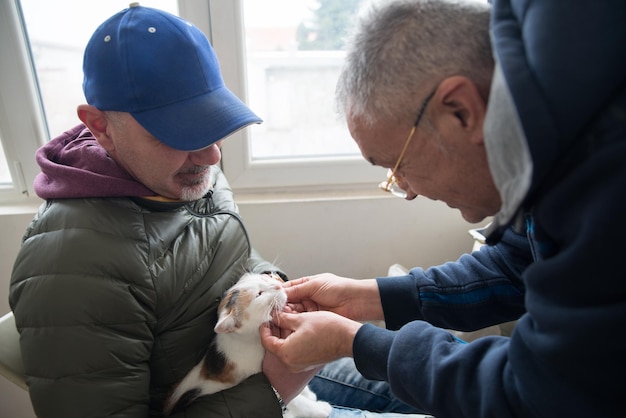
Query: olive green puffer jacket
point(116, 299)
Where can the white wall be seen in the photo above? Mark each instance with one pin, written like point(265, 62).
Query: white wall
point(356, 238)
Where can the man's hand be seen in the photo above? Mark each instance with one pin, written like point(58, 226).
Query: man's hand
point(308, 340)
point(354, 299)
point(287, 383)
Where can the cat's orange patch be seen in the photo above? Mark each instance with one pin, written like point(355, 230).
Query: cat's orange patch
point(235, 304)
point(245, 299)
point(225, 376)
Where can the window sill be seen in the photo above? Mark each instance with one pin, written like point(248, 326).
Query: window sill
point(309, 194)
point(23, 206)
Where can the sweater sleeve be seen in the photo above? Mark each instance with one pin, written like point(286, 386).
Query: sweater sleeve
point(479, 289)
point(428, 368)
point(420, 360)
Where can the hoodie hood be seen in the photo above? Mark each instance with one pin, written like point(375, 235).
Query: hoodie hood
point(551, 83)
point(507, 153)
point(74, 165)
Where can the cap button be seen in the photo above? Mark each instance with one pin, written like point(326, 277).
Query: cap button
point(134, 4)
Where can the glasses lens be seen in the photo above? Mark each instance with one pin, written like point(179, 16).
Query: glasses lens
point(393, 188)
point(397, 191)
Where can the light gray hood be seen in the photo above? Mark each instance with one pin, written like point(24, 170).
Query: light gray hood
point(508, 155)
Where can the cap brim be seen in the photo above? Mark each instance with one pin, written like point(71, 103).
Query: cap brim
point(198, 122)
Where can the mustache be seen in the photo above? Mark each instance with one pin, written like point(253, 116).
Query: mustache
point(196, 169)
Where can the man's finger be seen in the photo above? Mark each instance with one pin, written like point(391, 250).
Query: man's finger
point(286, 320)
point(295, 282)
point(269, 341)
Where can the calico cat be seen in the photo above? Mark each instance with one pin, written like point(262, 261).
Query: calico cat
point(236, 351)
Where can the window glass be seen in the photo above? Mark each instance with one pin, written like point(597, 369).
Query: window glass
point(293, 60)
point(5, 176)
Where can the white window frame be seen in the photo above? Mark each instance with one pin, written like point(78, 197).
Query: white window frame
point(345, 175)
point(22, 125)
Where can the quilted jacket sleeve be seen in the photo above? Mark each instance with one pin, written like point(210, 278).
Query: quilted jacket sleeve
point(86, 333)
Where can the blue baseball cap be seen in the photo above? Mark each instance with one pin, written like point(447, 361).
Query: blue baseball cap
point(163, 71)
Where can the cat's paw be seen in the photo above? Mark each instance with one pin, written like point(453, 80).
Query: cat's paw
point(322, 410)
point(306, 405)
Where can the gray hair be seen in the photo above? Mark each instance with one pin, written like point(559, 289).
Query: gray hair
point(401, 48)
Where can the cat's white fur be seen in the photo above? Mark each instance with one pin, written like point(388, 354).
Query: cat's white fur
point(245, 307)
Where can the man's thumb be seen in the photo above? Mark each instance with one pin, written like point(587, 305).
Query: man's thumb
point(285, 320)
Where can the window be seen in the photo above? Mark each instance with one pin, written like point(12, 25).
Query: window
point(293, 60)
point(284, 65)
point(21, 123)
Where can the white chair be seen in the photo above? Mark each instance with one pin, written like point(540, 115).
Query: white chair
point(10, 356)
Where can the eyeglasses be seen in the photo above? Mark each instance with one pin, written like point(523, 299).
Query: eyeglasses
point(391, 184)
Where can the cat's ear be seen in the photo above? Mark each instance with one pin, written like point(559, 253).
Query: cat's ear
point(227, 323)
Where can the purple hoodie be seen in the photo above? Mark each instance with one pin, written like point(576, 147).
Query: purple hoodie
point(74, 165)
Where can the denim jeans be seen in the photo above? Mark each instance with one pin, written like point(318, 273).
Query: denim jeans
point(340, 384)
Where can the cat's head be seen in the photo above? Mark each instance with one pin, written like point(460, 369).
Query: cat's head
point(250, 303)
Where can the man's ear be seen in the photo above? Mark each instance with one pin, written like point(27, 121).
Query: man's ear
point(462, 106)
point(97, 122)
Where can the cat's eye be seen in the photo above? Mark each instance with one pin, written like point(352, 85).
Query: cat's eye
point(259, 294)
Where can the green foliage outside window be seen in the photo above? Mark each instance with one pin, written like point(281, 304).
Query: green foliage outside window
point(329, 26)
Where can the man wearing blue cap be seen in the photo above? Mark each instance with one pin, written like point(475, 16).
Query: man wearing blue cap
point(119, 276)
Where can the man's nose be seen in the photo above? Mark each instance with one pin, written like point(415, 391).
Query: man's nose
point(210, 155)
